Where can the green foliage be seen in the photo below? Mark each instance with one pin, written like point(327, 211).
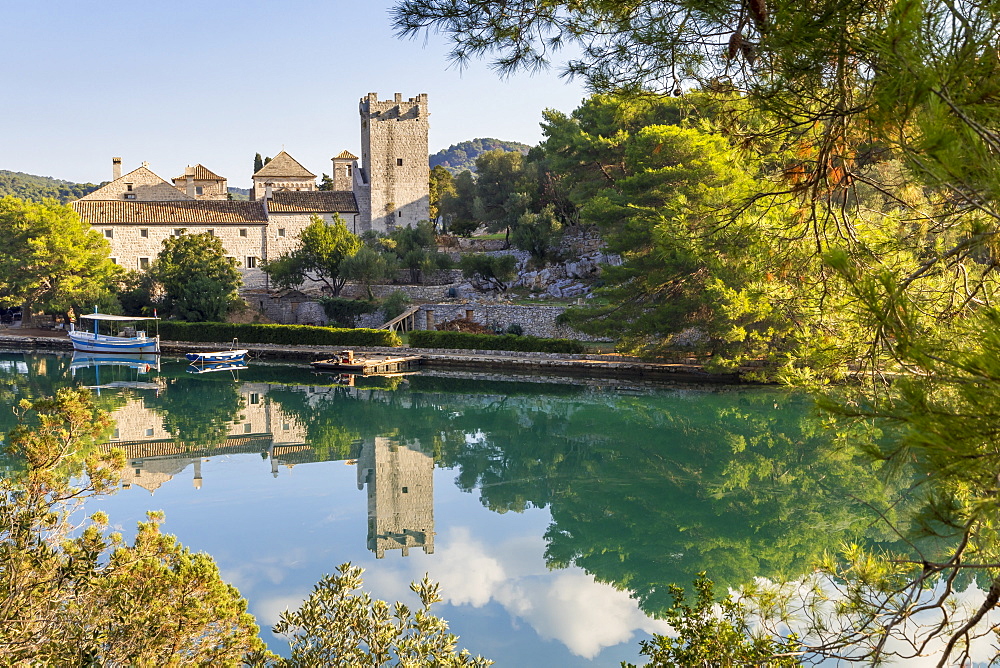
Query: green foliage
point(416, 250)
point(370, 266)
point(306, 335)
point(135, 292)
point(488, 272)
point(536, 233)
point(320, 256)
point(457, 206)
point(343, 312)
point(258, 163)
point(395, 304)
point(711, 637)
point(41, 188)
point(442, 185)
point(76, 595)
point(199, 282)
point(50, 259)
point(336, 626)
point(460, 157)
point(467, 341)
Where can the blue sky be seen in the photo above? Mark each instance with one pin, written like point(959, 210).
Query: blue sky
point(215, 82)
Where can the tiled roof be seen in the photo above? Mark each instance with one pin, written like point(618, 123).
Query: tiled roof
point(201, 173)
point(191, 212)
point(145, 185)
point(327, 201)
point(285, 165)
point(346, 155)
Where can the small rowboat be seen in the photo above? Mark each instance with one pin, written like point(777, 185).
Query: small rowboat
point(212, 357)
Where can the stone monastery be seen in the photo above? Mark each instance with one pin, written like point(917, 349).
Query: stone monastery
point(388, 189)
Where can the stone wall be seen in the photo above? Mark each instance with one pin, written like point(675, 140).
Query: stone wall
point(533, 320)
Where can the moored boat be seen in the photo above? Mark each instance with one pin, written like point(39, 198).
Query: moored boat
point(217, 356)
point(130, 339)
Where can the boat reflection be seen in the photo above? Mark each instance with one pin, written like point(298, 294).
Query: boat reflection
point(217, 366)
point(135, 364)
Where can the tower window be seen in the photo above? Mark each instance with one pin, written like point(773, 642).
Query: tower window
point(399, 162)
point(348, 170)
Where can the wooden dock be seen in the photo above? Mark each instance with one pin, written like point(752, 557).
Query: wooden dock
point(367, 364)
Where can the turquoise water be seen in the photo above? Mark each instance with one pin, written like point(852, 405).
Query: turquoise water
point(555, 514)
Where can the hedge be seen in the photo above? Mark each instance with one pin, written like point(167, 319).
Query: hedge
point(301, 335)
point(467, 341)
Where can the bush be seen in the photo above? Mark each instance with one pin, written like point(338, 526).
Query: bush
point(466, 341)
point(395, 304)
point(344, 312)
point(305, 335)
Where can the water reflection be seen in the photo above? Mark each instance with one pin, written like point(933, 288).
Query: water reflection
point(637, 488)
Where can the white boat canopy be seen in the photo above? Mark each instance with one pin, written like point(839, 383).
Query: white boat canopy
point(105, 316)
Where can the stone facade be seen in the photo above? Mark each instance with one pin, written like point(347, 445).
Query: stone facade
point(199, 182)
point(392, 188)
point(139, 185)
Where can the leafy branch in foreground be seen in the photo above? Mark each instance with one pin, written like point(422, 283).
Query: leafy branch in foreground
point(73, 594)
point(337, 626)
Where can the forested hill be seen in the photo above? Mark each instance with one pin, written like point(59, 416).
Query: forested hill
point(37, 188)
point(459, 157)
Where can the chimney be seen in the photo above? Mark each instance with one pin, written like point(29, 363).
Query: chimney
point(116, 168)
point(397, 98)
point(268, 190)
point(189, 178)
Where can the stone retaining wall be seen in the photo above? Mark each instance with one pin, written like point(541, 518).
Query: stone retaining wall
point(533, 320)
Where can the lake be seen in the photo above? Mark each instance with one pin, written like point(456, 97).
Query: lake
point(555, 513)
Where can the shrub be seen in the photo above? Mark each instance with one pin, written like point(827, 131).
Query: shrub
point(344, 312)
point(466, 341)
point(395, 304)
point(306, 335)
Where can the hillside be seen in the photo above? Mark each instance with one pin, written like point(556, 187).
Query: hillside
point(460, 157)
point(37, 188)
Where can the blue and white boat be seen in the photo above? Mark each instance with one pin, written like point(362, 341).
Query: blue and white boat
point(217, 356)
point(129, 339)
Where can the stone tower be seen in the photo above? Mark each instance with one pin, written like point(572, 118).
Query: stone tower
point(393, 189)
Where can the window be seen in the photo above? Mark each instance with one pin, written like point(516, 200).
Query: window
point(251, 262)
point(247, 428)
point(116, 436)
point(143, 263)
point(348, 170)
point(211, 233)
point(149, 431)
point(281, 231)
point(178, 231)
point(231, 259)
point(399, 162)
point(114, 260)
point(286, 427)
point(199, 190)
point(400, 213)
point(406, 490)
point(144, 233)
point(109, 234)
point(243, 231)
point(128, 187)
point(254, 398)
point(129, 195)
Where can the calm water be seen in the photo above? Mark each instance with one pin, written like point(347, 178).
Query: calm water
point(555, 514)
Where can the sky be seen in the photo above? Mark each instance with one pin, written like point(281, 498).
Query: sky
point(189, 82)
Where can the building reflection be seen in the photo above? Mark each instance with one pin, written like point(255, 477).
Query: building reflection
point(400, 483)
point(154, 456)
point(399, 478)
